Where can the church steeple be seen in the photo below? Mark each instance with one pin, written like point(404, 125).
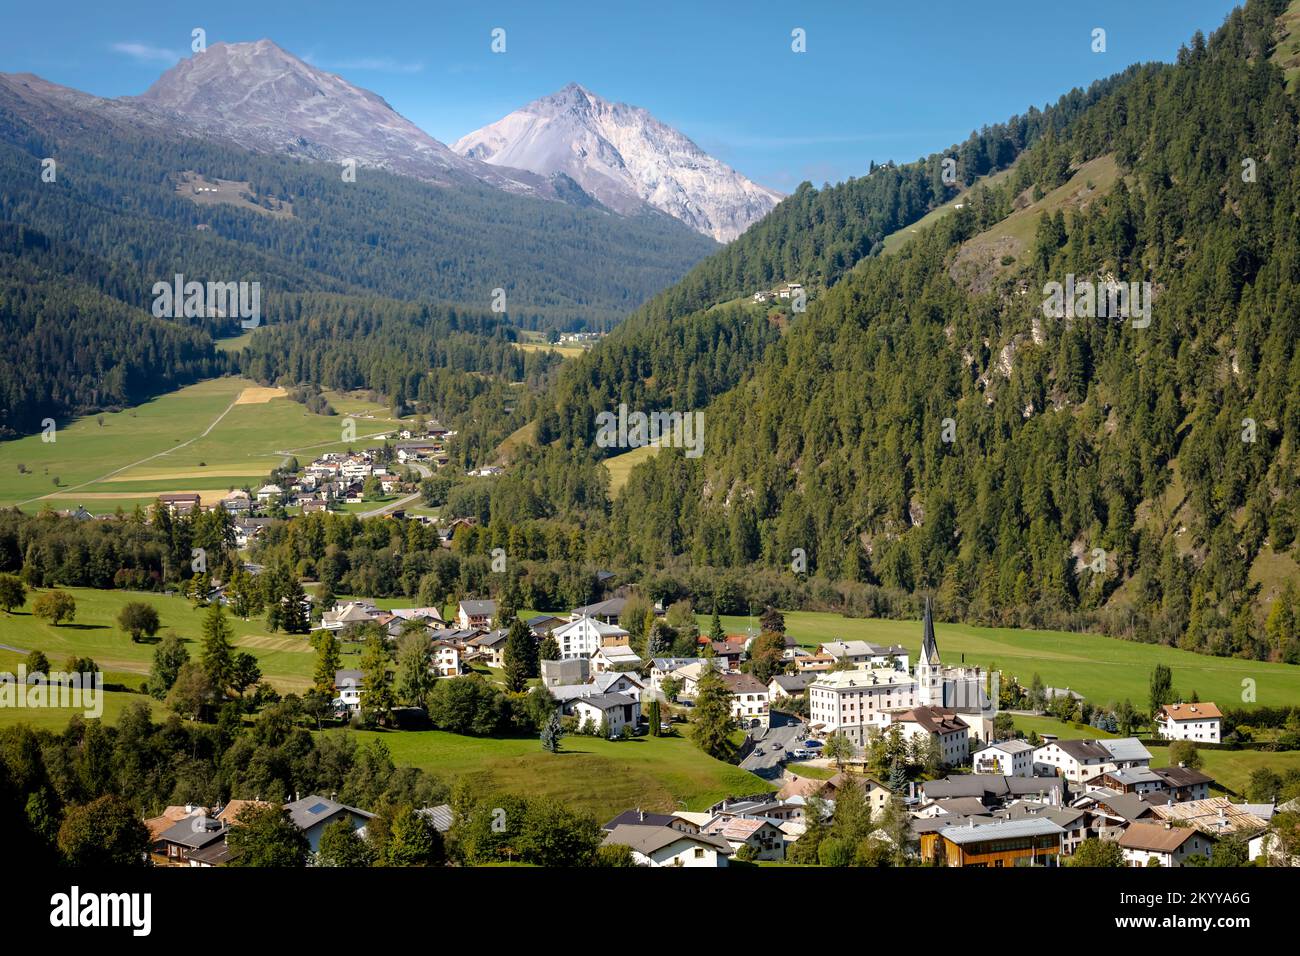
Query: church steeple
point(929, 648)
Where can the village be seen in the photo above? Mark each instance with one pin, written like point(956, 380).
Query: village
point(964, 790)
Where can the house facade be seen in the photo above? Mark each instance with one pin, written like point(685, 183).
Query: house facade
point(1198, 722)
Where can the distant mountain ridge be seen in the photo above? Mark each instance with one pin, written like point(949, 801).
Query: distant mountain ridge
point(623, 156)
point(263, 98)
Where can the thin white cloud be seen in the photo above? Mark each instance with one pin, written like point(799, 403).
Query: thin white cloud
point(144, 53)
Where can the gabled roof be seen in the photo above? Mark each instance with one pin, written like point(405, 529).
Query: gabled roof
point(311, 810)
point(606, 701)
point(440, 816)
point(934, 720)
point(472, 608)
point(349, 677)
point(649, 839)
point(1182, 776)
point(640, 818)
point(1199, 711)
point(1126, 748)
point(194, 832)
point(610, 608)
point(1012, 747)
point(1156, 837)
point(1127, 805)
point(744, 684)
point(792, 683)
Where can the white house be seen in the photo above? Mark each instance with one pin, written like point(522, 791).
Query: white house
point(783, 686)
point(763, 835)
point(666, 846)
point(1198, 722)
point(866, 654)
point(610, 682)
point(748, 699)
point(932, 724)
point(348, 689)
point(614, 657)
point(1081, 760)
point(586, 635)
point(446, 658)
point(353, 612)
point(1010, 758)
point(1169, 844)
point(267, 492)
point(476, 613)
point(616, 710)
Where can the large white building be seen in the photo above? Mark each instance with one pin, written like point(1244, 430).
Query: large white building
point(585, 636)
point(850, 702)
point(1197, 722)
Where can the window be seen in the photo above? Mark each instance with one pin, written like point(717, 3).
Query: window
point(699, 853)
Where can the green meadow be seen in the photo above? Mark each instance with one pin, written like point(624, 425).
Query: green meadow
point(286, 660)
point(602, 776)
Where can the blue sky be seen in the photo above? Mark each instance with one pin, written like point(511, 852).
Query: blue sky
point(879, 80)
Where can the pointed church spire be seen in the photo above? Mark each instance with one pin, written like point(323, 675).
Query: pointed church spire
point(929, 648)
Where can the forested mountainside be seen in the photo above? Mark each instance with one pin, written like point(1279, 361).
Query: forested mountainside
point(924, 425)
point(65, 345)
point(694, 341)
point(124, 210)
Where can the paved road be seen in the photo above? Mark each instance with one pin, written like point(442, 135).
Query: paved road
point(784, 731)
point(400, 503)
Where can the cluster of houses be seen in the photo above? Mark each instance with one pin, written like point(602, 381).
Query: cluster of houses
point(195, 836)
point(332, 479)
point(788, 290)
point(1034, 806)
point(1083, 789)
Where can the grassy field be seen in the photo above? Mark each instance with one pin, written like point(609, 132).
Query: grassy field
point(210, 437)
point(601, 776)
point(56, 718)
point(287, 661)
point(1015, 234)
point(1231, 769)
point(1103, 669)
point(897, 239)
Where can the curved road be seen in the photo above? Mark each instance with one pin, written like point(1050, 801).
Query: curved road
point(424, 470)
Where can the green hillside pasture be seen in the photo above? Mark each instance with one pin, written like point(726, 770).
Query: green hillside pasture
point(600, 776)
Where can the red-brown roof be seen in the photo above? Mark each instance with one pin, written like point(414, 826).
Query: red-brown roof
point(1206, 711)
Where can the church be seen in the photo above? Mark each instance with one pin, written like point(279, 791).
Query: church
point(853, 701)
